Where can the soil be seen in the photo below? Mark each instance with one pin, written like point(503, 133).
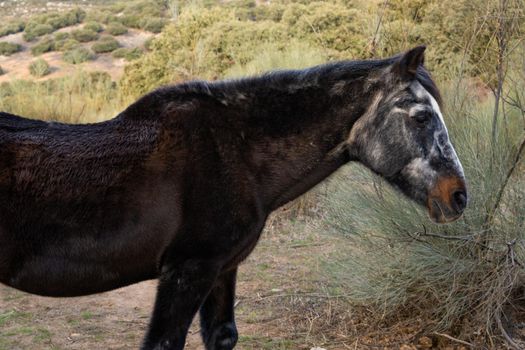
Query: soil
point(16, 66)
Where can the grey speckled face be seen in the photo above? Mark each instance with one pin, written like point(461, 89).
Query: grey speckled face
point(403, 137)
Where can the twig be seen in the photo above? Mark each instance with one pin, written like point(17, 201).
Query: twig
point(499, 195)
point(506, 335)
point(454, 339)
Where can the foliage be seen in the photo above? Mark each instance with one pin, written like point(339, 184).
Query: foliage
point(12, 27)
point(105, 44)
point(39, 68)
point(116, 28)
point(66, 44)
point(1, 71)
point(7, 48)
point(79, 98)
point(154, 25)
point(49, 22)
point(45, 44)
point(128, 54)
point(93, 26)
point(84, 35)
point(34, 30)
point(77, 55)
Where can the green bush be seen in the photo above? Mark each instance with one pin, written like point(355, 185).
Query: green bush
point(154, 25)
point(44, 45)
point(1, 71)
point(12, 28)
point(7, 48)
point(59, 36)
point(128, 54)
point(132, 21)
point(102, 16)
point(39, 68)
point(116, 28)
point(77, 55)
point(66, 44)
point(94, 26)
point(105, 44)
point(33, 30)
point(84, 35)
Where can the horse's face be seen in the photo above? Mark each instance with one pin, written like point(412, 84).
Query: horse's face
point(403, 137)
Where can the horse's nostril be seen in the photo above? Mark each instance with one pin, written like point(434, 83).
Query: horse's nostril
point(460, 200)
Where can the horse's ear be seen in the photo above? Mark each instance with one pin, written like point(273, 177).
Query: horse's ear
point(407, 64)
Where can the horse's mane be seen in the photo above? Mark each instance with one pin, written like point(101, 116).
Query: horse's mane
point(290, 79)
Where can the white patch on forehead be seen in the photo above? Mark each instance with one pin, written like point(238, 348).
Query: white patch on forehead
point(398, 110)
point(441, 138)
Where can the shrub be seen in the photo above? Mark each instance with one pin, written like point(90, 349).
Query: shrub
point(116, 28)
point(105, 44)
point(154, 25)
point(128, 54)
point(7, 48)
point(12, 28)
point(44, 45)
point(61, 36)
point(132, 21)
point(66, 44)
point(103, 16)
point(34, 30)
point(1, 71)
point(77, 55)
point(94, 26)
point(84, 35)
point(39, 68)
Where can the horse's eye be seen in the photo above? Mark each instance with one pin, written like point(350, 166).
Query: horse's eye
point(422, 118)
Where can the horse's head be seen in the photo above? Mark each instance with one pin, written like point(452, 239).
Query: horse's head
point(403, 138)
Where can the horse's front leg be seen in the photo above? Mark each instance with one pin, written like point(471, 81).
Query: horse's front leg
point(217, 315)
point(182, 289)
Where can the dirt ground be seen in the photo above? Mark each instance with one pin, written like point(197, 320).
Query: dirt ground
point(16, 66)
point(284, 301)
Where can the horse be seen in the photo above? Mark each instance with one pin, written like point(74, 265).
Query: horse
point(178, 186)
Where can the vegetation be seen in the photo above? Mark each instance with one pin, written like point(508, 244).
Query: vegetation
point(7, 48)
point(94, 26)
point(77, 55)
point(116, 28)
point(128, 54)
point(66, 44)
point(12, 28)
point(105, 44)
point(84, 35)
point(49, 22)
point(44, 45)
point(39, 68)
point(1, 71)
point(154, 25)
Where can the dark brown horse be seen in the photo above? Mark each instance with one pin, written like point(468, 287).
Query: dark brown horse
point(179, 185)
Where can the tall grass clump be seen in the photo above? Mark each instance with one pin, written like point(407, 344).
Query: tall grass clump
point(12, 27)
point(39, 68)
point(77, 55)
point(79, 98)
point(105, 44)
point(116, 28)
point(46, 44)
point(465, 278)
point(7, 48)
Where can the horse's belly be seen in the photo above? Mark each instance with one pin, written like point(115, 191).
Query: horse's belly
point(86, 263)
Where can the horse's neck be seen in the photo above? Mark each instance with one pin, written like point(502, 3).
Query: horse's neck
point(291, 164)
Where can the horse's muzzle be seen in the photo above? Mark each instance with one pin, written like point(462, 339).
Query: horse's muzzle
point(447, 200)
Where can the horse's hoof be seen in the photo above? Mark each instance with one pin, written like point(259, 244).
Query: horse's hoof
point(224, 337)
